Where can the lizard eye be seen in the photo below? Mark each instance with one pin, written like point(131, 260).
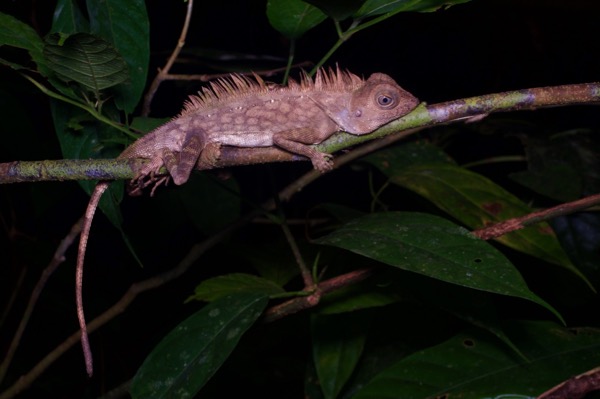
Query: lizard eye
point(385, 100)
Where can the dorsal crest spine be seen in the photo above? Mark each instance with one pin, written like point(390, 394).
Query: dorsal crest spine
point(237, 86)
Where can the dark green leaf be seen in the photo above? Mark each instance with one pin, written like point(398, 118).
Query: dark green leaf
point(218, 287)
point(338, 342)
point(192, 352)
point(68, 18)
point(434, 247)
point(472, 199)
point(293, 18)
point(474, 365)
point(125, 25)
point(18, 34)
point(87, 60)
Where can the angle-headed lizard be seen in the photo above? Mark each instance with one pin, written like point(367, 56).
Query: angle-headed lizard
point(247, 112)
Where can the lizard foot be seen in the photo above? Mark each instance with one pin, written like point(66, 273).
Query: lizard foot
point(137, 185)
point(322, 162)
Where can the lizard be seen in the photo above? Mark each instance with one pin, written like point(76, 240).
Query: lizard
point(246, 111)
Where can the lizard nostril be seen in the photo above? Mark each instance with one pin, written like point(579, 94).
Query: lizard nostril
point(358, 113)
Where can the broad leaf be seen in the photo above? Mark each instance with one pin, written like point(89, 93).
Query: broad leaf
point(125, 25)
point(18, 34)
point(434, 247)
point(475, 365)
point(218, 287)
point(472, 199)
point(293, 18)
point(85, 59)
point(68, 18)
point(192, 352)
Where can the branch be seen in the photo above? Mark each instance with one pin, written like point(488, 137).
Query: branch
point(499, 229)
point(306, 302)
point(424, 115)
point(576, 387)
point(165, 70)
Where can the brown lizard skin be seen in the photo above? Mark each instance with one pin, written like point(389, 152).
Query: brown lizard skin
point(248, 112)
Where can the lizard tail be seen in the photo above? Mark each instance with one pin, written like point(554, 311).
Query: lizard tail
point(85, 234)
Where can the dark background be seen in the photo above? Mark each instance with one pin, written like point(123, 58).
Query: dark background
point(480, 47)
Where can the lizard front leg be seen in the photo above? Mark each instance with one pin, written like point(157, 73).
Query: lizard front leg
point(298, 140)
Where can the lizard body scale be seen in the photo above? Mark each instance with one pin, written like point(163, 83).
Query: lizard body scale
point(247, 112)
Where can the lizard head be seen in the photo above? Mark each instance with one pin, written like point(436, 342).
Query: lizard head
point(377, 102)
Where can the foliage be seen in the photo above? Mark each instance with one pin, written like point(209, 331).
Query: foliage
point(443, 314)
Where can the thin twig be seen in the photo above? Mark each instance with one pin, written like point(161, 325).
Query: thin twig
point(165, 70)
point(309, 284)
point(305, 302)
point(499, 229)
point(207, 77)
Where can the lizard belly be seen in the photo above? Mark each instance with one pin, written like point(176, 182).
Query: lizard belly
point(246, 139)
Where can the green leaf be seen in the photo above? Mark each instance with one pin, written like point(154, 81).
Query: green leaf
point(192, 352)
point(15, 33)
point(434, 247)
point(87, 60)
point(473, 200)
point(293, 18)
point(124, 23)
point(372, 8)
point(338, 342)
point(474, 365)
point(218, 287)
point(68, 18)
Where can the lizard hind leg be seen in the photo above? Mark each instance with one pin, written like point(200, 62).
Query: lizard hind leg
point(180, 164)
